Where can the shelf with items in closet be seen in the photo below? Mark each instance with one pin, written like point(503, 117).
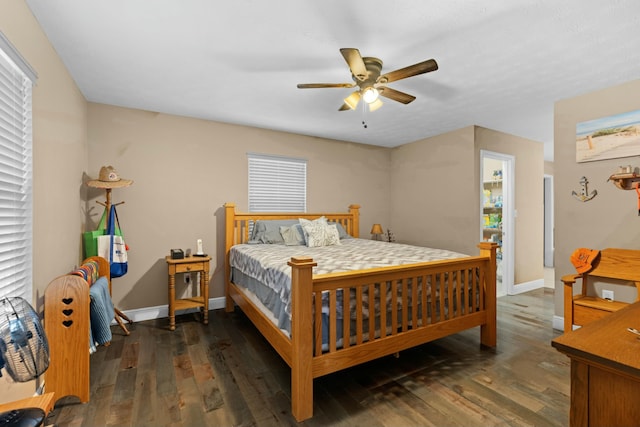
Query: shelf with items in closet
point(492, 212)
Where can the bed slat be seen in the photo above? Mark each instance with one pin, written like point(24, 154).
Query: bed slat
point(372, 305)
point(346, 325)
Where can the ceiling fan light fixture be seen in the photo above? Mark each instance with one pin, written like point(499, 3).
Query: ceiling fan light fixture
point(352, 100)
point(375, 105)
point(370, 95)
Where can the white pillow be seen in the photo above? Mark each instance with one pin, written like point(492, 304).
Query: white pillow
point(319, 233)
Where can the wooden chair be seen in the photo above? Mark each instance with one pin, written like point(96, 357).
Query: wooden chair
point(613, 263)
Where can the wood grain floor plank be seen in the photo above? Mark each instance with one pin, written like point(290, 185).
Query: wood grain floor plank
point(168, 410)
point(165, 377)
point(96, 412)
point(125, 385)
point(114, 350)
point(145, 406)
point(234, 401)
point(191, 413)
point(106, 375)
point(241, 362)
point(120, 414)
point(129, 358)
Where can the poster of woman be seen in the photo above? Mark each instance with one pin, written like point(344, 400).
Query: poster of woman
point(609, 137)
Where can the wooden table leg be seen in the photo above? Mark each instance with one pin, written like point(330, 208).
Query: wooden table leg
point(204, 289)
point(172, 298)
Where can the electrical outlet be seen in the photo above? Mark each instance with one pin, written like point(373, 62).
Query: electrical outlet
point(608, 295)
point(187, 278)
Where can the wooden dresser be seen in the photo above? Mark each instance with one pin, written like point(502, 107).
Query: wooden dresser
point(605, 370)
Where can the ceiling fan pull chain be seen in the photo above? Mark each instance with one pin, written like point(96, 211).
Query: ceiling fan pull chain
point(364, 106)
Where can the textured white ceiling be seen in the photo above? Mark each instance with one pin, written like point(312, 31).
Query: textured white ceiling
point(503, 63)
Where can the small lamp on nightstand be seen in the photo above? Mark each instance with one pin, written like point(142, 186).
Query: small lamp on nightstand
point(376, 231)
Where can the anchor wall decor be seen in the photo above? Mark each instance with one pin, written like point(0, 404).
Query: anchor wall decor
point(584, 195)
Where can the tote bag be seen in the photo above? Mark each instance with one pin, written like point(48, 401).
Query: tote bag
point(111, 246)
point(90, 238)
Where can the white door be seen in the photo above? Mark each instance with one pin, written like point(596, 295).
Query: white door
point(497, 184)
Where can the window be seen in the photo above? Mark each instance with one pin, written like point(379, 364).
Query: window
point(16, 80)
point(277, 184)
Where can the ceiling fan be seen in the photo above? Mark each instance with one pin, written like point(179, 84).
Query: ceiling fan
point(365, 72)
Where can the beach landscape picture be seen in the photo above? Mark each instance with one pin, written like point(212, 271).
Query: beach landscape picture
point(609, 137)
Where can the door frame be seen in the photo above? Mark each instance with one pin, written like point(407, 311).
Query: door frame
point(508, 214)
point(549, 238)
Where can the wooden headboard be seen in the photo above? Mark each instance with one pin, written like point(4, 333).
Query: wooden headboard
point(238, 223)
point(237, 226)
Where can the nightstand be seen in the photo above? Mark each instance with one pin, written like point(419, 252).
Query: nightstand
point(192, 264)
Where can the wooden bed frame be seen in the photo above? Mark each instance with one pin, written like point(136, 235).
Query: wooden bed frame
point(439, 317)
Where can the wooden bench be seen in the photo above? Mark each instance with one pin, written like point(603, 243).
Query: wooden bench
point(612, 263)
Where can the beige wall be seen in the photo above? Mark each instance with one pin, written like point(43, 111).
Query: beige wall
point(548, 168)
point(436, 200)
point(184, 170)
point(59, 159)
point(434, 192)
point(611, 218)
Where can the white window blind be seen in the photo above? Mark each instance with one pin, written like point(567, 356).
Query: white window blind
point(277, 184)
point(16, 80)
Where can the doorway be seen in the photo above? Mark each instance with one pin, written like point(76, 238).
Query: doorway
point(497, 182)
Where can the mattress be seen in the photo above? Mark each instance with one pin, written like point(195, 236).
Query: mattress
point(262, 270)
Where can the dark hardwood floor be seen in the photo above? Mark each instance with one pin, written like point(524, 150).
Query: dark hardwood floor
point(226, 374)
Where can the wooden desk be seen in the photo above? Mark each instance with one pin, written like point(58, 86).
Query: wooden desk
point(605, 370)
point(190, 264)
point(44, 402)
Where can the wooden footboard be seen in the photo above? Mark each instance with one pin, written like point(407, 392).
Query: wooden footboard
point(450, 296)
point(67, 323)
point(410, 305)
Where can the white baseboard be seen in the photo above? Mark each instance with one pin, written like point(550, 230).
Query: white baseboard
point(162, 311)
point(558, 323)
point(527, 286)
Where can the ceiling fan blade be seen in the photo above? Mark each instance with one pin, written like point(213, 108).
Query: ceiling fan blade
point(323, 85)
point(355, 62)
point(410, 71)
point(396, 95)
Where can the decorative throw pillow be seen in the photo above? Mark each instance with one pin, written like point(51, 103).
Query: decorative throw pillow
point(292, 235)
point(343, 233)
point(332, 236)
point(319, 233)
point(268, 231)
